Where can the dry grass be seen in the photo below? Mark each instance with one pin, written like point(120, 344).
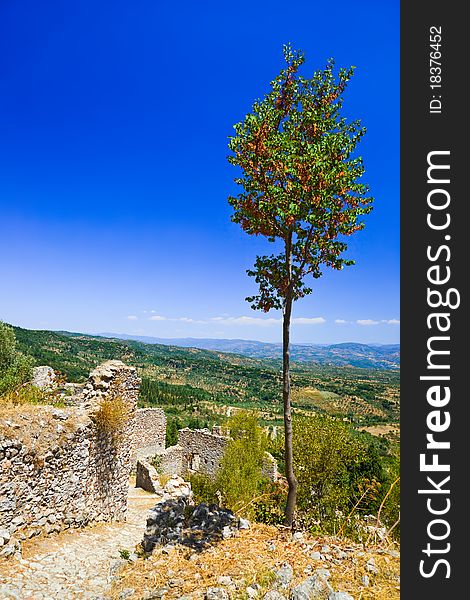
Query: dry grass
point(250, 558)
point(112, 417)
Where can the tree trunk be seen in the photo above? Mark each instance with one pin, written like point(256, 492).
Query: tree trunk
point(286, 396)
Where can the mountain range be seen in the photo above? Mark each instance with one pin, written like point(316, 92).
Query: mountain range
point(377, 356)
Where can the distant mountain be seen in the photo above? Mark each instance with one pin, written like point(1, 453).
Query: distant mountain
point(352, 354)
point(187, 378)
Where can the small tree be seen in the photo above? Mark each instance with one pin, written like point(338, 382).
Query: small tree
point(15, 367)
point(301, 189)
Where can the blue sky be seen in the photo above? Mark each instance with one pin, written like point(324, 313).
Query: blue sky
point(114, 123)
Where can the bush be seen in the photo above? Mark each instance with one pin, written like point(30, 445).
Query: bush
point(29, 394)
point(239, 480)
point(15, 368)
point(339, 474)
point(112, 417)
point(269, 509)
point(204, 488)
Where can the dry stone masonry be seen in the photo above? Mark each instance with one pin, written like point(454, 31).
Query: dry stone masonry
point(197, 451)
point(62, 468)
point(202, 450)
point(149, 431)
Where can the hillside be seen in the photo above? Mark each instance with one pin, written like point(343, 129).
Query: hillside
point(189, 380)
point(386, 356)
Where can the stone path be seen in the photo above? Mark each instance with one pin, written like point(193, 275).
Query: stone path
point(75, 564)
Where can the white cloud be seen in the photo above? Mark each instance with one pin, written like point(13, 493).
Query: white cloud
point(246, 321)
point(175, 319)
point(374, 322)
point(308, 321)
point(131, 318)
point(243, 320)
point(341, 321)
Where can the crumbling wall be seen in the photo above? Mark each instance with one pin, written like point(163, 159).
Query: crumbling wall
point(66, 467)
point(202, 450)
point(172, 461)
point(149, 431)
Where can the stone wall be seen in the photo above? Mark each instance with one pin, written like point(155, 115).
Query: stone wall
point(149, 431)
point(202, 450)
point(172, 461)
point(67, 467)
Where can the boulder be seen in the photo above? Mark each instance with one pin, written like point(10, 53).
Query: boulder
point(315, 587)
point(147, 477)
point(44, 377)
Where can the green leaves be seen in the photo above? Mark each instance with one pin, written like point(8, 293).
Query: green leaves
point(299, 177)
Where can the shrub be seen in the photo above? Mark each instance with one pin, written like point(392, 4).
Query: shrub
point(15, 367)
point(112, 417)
point(29, 394)
point(269, 508)
point(339, 474)
point(239, 481)
point(204, 488)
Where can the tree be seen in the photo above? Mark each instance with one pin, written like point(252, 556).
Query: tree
point(301, 190)
point(240, 477)
point(15, 367)
point(334, 465)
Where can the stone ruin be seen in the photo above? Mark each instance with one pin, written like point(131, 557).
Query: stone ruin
point(59, 468)
point(64, 467)
point(197, 451)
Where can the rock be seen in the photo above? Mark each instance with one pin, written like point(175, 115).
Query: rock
point(8, 550)
point(325, 549)
point(340, 596)
point(216, 593)
point(308, 570)
point(44, 377)
point(252, 590)
point(244, 524)
point(298, 536)
point(274, 595)
point(176, 521)
point(315, 556)
point(283, 576)
point(371, 566)
point(147, 477)
point(126, 593)
point(315, 587)
point(224, 580)
point(116, 565)
point(323, 573)
point(176, 487)
point(155, 594)
point(365, 580)
point(4, 536)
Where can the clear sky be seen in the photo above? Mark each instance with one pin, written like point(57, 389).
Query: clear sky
point(114, 123)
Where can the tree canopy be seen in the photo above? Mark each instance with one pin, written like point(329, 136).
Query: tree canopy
point(300, 178)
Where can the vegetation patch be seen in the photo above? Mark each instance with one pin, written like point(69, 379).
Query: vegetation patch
point(112, 417)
